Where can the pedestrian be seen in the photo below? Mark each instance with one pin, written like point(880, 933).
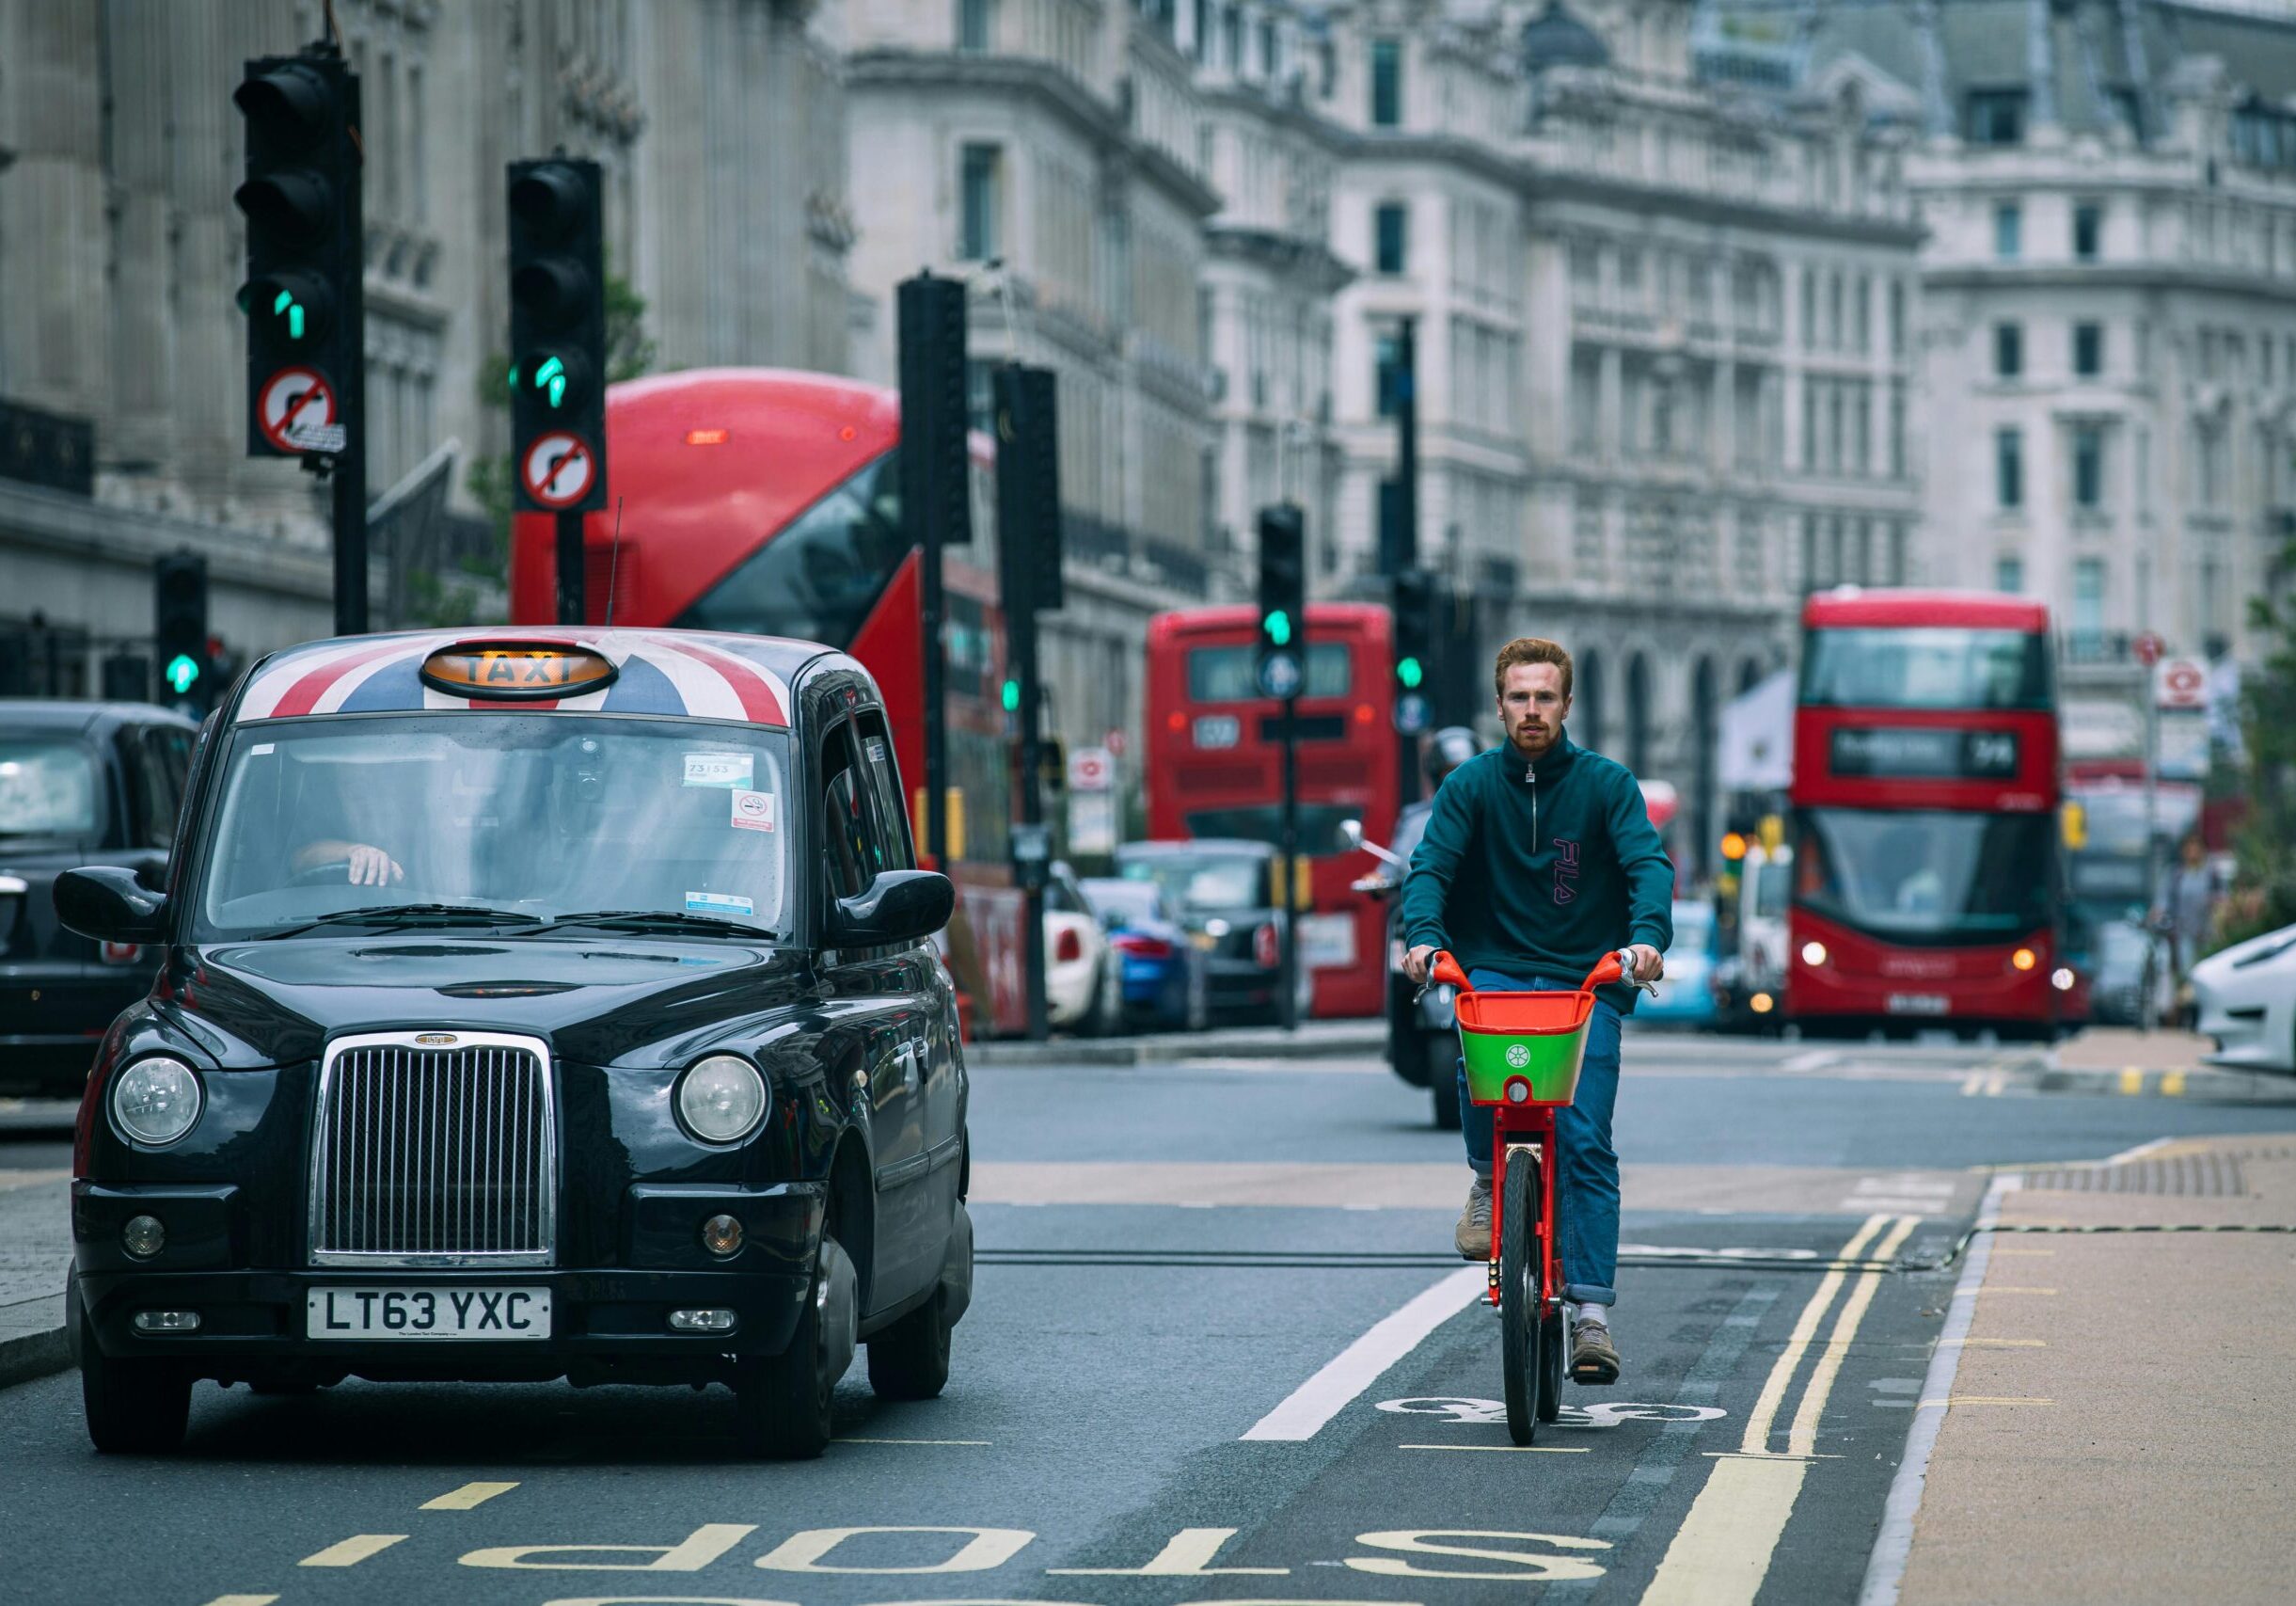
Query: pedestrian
point(2190, 898)
point(1540, 858)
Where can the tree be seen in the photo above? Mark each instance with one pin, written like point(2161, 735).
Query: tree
point(2264, 884)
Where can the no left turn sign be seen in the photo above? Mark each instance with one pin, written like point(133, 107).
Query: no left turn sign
point(297, 411)
point(559, 469)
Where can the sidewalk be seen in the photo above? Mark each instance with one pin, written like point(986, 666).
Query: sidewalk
point(2121, 1423)
point(2121, 1059)
point(1315, 1039)
point(35, 1251)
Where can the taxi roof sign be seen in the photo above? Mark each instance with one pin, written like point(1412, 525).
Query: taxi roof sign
point(511, 671)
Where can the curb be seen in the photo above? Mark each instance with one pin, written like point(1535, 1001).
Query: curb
point(1177, 1048)
point(33, 1354)
point(2207, 1083)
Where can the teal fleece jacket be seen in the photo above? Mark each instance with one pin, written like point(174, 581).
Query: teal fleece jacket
point(1540, 868)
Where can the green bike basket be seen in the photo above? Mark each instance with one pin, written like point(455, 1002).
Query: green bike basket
point(1537, 1037)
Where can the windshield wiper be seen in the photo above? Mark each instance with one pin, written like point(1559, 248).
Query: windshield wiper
point(661, 920)
point(392, 914)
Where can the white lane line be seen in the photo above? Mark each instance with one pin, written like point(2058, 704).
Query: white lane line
point(1816, 1059)
point(470, 1495)
point(1885, 1569)
point(243, 1600)
point(2138, 1153)
point(351, 1552)
point(1356, 1367)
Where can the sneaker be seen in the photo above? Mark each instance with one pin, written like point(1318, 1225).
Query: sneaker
point(1473, 1235)
point(1593, 1358)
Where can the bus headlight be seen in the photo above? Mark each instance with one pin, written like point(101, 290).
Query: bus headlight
point(1813, 954)
point(2024, 959)
point(2062, 978)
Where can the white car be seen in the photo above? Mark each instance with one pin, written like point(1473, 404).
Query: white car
point(2247, 1000)
point(1078, 995)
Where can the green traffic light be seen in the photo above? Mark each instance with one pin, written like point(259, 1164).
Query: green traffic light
point(1277, 626)
point(183, 672)
point(551, 376)
point(1408, 671)
point(1012, 696)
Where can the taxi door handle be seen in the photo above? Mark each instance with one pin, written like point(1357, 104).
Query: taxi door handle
point(909, 1054)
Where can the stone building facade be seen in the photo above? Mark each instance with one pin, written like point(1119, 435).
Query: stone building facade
point(719, 123)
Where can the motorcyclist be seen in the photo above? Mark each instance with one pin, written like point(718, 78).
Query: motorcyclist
point(1448, 748)
point(1538, 858)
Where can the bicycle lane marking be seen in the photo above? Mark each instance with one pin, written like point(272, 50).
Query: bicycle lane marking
point(1314, 1403)
point(1721, 1552)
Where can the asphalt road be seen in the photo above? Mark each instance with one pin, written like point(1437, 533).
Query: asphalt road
point(1218, 1353)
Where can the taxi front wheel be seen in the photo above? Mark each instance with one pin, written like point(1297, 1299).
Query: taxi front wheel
point(782, 1402)
point(909, 1360)
point(134, 1408)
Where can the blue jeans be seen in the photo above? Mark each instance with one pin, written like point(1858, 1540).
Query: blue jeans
point(1587, 1186)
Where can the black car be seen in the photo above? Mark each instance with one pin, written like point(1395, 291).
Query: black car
point(1223, 891)
point(78, 781)
point(528, 1006)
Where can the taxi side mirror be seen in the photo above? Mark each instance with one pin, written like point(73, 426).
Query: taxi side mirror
point(899, 906)
point(108, 903)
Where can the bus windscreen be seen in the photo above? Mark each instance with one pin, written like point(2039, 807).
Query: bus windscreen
point(818, 578)
point(1926, 667)
point(1926, 876)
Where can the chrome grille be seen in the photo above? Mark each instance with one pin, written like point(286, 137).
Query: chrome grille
point(434, 1155)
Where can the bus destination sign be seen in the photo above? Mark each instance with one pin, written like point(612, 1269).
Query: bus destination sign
point(1926, 754)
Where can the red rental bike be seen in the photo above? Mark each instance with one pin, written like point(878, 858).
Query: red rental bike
point(1523, 1051)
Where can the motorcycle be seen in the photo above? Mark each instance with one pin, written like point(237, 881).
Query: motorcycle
point(1422, 1030)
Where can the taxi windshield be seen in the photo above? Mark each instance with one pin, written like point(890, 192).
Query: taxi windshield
point(495, 818)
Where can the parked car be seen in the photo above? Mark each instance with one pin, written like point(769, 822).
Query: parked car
point(1079, 995)
point(1163, 977)
point(2247, 1000)
point(1223, 890)
point(1684, 997)
point(79, 782)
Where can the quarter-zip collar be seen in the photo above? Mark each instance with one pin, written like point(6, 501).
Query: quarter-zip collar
point(1548, 765)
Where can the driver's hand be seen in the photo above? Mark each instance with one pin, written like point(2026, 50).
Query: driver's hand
point(1418, 962)
point(1648, 965)
point(371, 866)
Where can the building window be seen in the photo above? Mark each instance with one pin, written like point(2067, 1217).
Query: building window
point(1996, 117)
point(1864, 329)
point(1389, 222)
point(980, 184)
point(1200, 36)
point(2008, 229)
point(1897, 318)
point(1388, 372)
point(976, 22)
point(1231, 40)
point(1386, 82)
point(2088, 350)
point(1267, 48)
point(2009, 576)
point(2008, 350)
point(2088, 466)
point(2088, 605)
point(1809, 328)
point(2088, 232)
point(1897, 432)
point(2008, 469)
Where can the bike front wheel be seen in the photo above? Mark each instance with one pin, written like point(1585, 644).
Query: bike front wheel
point(1520, 1294)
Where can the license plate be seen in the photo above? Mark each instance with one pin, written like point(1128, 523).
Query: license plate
point(1917, 1004)
point(1204, 940)
point(1327, 942)
point(1218, 730)
point(401, 1312)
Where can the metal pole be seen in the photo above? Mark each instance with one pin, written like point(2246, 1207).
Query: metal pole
point(1023, 630)
point(2152, 819)
point(1406, 553)
point(936, 750)
point(571, 601)
point(1289, 834)
point(350, 468)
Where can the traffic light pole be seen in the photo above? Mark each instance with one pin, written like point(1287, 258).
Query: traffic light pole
point(1021, 632)
point(1288, 830)
point(1405, 556)
point(571, 602)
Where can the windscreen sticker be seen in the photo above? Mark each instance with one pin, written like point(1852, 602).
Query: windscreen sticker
point(259, 749)
point(720, 769)
point(752, 811)
point(875, 749)
point(719, 904)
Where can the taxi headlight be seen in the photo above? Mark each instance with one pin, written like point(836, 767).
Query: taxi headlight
point(722, 1099)
point(155, 1101)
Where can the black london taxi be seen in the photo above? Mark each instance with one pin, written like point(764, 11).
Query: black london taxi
point(78, 781)
point(555, 1002)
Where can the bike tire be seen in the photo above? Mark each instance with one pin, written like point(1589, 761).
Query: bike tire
point(1554, 1345)
point(1518, 1298)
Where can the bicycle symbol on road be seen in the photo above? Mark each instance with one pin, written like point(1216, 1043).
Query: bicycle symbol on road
point(1606, 1413)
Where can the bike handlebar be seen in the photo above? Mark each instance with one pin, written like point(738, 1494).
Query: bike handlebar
point(1611, 968)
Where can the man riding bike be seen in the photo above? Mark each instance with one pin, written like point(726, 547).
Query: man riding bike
point(1538, 856)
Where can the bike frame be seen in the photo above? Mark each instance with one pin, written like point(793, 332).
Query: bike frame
point(1531, 1129)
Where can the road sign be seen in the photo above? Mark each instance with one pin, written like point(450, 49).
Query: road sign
point(558, 470)
point(1410, 713)
point(297, 412)
point(2149, 648)
point(2180, 683)
point(1279, 674)
point(1115, 741)
point(1091, 769)
point(1092, 822)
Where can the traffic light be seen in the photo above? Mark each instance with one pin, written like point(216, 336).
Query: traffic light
point(302, 296)
point(1028, 488)
point(1415, 626)
point(936, 453)
point(1283, 600)
point(558, 334)
point(179, 629)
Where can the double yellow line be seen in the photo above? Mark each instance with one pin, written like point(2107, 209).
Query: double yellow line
point(1722, 1554)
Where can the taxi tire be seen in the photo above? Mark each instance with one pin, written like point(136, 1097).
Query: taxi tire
point(783, 1403)
point(134, 1408)
point(909, 1360)
point(1443, 1093)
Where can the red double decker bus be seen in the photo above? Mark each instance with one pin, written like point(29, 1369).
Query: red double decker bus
point(767, 502)
point(1216, 767)
point(1924, 815)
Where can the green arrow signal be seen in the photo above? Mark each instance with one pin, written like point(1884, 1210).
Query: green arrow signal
point(183, 672)
point(1277, 626)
